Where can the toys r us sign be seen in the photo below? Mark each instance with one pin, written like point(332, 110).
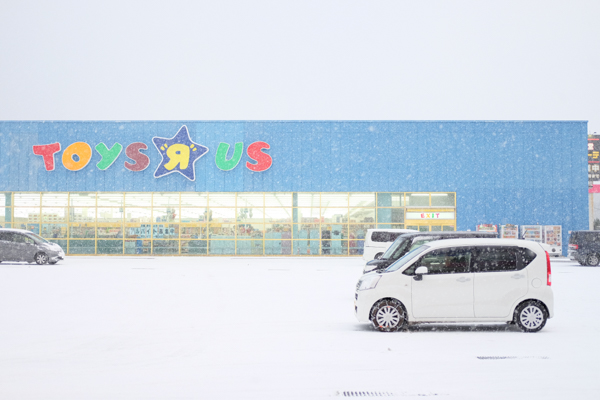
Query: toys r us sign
point(178, 153)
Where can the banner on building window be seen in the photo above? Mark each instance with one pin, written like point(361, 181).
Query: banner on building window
point(594, 164)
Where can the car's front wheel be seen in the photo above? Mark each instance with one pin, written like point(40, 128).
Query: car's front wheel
point(593, 260)
point(531, 316)
point(389, 315)
point(41, 258)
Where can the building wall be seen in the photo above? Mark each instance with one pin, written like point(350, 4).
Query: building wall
point(519, 172)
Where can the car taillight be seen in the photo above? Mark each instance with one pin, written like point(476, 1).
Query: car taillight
point(548, 270)
point(574, 246)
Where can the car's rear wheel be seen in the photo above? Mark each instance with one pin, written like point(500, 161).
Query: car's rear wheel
point(41, 258)
point(531, 316)
point(593, 260)
point(389, 315)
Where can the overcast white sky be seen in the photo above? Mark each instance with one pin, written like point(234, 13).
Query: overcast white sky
point(317, 60)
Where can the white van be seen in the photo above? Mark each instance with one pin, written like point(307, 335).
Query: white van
point(377, 241)
point(460, 280)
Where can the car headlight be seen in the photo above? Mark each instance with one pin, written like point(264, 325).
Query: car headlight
point(369, 282)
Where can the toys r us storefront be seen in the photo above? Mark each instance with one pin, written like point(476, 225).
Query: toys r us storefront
point(282, 187)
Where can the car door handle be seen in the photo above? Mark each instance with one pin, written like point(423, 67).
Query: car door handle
point(517, 276)
point(463, 279)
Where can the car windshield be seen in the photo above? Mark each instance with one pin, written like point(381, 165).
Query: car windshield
point(397, 248)
point(36, 238)
point(407, 258)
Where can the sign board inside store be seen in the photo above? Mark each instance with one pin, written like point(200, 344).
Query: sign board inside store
point(429, 215)
point(178, 153)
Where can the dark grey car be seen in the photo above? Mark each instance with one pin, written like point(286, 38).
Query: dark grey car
point(21, 245)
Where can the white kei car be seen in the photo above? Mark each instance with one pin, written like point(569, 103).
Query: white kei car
point(460, 280)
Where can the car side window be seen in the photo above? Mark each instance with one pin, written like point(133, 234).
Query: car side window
point(495, 258)
point(27, 239)
point(18, 238)
point(5, 236)
point(524, 257)
point(454, 260)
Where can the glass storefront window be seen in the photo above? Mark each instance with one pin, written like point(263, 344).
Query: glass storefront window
point(362, 200)
point(278, 231)
point(5, 214)
point(221, 200)
point(221, 247)
point(54, 231)
point(82, 231)
point(222, 215)
point(168, 200)
point(390, 215)
point(82, 199)
point(250, 215)
point(194, 215)
point(5, 199)
point(55, 199)
point(193, 232)
point(110, 199)
point(249, 200)
point(110, 215)
point(138, 215)
point(138, 199)
point(110, 231)
point(359, 231)
point(390, 199)
point(278, 200)
point(194, 200)
point(221, 231)
point(168, 214)
point(307, 199)
point(280, 215)
point(82, 246)
point(248, 231)
point(165, 231)
point(164, 247)
point(307, 247)
point(138, 246)
point(109, 247)
point(83, 214)
point(138, 231)
point(27, 199)
point(442, 199)
point(362, 215)
point(417, 199)
point(27, 215)
point(228, 223)
point(334, 215)
point(193, 247)
point(334, 200)
point(307, 215)
point(54, 215)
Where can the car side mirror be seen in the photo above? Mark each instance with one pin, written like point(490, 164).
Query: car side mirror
point(419, 272)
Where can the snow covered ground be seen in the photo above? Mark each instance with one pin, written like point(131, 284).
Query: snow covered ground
point(269, 328)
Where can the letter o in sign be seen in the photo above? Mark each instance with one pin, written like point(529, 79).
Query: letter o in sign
point(80, 149)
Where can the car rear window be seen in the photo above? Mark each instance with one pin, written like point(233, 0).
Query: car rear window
point(584, 237)
point(384, 236)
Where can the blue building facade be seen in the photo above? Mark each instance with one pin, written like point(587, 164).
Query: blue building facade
point(323, 182)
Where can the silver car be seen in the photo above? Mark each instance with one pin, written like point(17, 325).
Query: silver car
point(22, 245)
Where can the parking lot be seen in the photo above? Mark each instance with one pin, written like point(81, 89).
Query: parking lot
point(268, 328)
